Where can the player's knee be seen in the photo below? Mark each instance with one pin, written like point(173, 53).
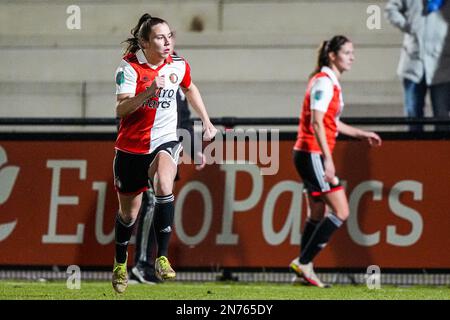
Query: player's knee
point(127, 216)
point(343, 214)
point(164, 185)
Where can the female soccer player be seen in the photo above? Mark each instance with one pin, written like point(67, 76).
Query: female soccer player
point(147, 146)
point(318, 128)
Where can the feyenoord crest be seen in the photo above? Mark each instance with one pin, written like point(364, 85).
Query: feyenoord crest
point(173, 78)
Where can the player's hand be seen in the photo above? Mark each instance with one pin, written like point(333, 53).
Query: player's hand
point(373, 139)
point(209, 131)
point(202, 158)
point(158, 83)
point(330, 171)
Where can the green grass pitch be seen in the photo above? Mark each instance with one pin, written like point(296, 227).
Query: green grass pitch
point(89, 290)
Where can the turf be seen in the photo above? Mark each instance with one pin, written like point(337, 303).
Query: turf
point(57, 290)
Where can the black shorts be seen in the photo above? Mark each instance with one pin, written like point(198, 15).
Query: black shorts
point(131, 170)
point(310, 168)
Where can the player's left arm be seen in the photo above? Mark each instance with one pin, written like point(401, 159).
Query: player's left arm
point(195, 100)
point(372, 138)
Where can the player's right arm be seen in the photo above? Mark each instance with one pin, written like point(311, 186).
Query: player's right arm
point(126, 81)
point(127, 103)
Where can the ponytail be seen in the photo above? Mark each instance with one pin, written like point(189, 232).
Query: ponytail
point(141, 32)
point(323, 55)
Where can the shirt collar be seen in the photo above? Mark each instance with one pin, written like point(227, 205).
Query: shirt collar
point(143, 60)
point(331, 74)
point(141, 56)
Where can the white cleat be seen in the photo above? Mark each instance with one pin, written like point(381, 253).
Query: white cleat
point(306, 272)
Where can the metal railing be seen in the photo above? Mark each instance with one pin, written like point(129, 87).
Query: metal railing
point(226, 121)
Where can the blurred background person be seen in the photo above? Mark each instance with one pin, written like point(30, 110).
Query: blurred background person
point(318, 129)
point(425, 56)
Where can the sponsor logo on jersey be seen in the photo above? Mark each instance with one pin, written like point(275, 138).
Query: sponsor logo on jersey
point(163, 99)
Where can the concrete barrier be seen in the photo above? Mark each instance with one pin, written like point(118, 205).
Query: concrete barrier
point(235, 64)
point(223, 99)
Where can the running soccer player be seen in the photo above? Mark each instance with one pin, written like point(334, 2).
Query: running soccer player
point(147, 146)
point(317, 131)
point(143, 270)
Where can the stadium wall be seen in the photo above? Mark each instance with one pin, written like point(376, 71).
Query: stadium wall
point(57, 206)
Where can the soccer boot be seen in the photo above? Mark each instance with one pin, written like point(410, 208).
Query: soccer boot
point(144, 275)
point(120, 277)
point(306, 272)
point(163, 270)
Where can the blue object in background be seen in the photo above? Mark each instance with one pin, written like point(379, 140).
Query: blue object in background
point(434, 5)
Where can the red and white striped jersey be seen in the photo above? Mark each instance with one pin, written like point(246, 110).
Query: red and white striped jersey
point(155, 122)
point(323, 94)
